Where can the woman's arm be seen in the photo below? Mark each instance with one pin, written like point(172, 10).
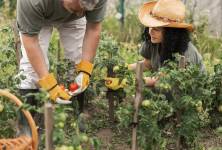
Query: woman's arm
point(146, 65)
point(149, 81)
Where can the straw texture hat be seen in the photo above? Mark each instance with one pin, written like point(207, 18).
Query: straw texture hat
point(164, 13)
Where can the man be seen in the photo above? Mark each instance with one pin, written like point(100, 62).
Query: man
point(79, 26)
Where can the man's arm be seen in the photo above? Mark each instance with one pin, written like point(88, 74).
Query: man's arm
point(47, 81)
point(91, 41)
point(35, 55)
point(85, 67)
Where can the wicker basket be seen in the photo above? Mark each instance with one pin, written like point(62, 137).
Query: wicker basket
point(23, 142)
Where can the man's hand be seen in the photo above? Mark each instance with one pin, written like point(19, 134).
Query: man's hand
point(85, 69)
point(83, 82)
point(56, 93)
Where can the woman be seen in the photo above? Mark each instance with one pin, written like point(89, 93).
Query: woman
point(165, 34)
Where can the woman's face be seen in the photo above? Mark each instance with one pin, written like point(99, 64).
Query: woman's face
point(156, 34)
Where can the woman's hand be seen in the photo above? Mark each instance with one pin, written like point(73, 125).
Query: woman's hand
point(150, 81)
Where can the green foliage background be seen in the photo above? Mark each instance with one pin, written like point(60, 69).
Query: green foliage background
point(123, 43)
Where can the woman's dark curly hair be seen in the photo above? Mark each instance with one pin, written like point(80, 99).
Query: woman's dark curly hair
point(175, 40)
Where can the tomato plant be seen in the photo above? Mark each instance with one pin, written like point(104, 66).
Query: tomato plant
point(180, 104)
point(110, 63)
point(216, 78)
point(186, 92)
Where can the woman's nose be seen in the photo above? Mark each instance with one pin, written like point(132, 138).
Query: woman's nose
point(151, 30)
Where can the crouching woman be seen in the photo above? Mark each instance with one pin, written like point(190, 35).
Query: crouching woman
point(165, 34)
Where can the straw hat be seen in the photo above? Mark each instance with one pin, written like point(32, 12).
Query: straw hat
point(164, 13)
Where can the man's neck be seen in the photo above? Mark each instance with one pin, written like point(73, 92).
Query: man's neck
point(65, 4)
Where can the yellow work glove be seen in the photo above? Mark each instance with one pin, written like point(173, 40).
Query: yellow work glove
point(85, 70)
point(57, 95)
point(113, 83)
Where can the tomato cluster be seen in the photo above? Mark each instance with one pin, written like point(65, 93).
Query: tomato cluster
point(72, 87)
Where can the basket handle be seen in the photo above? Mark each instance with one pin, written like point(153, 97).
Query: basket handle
point(26, 113)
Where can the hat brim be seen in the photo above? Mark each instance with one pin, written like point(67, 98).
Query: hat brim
point(147, 20)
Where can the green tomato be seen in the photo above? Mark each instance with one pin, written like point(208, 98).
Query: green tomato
point(115, 68)
point(84, 138)
point(146, 103)
point(70, 148)
point(63, 147)
point(78, 147)
point(220, 108)
point(124, 82)
point(162, 86)
point(155, 113)
point(74, 125)
point(60, 124)
point(199, 103)
point(62, 116)
point(219, 129)
point(199, 109)
point(167, 87)
point(1, 107)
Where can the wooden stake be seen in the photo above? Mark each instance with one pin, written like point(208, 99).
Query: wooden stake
point(182, 64)
point(58, 72)
point(110, 96)
point(48, 115)
point(17, 41)
point(137, 102)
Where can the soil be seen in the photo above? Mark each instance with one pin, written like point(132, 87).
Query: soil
point(210, 140)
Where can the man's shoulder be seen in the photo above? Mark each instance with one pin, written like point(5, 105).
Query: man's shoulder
point(98, 13)
point(101, 3)
point(39, 7)
point(30, 15)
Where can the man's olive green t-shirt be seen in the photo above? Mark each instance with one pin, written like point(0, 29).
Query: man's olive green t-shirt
point(32, 15)
point(150, 51)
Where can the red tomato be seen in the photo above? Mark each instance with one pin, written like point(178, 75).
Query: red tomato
point(62, 87)
point(73, 87)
